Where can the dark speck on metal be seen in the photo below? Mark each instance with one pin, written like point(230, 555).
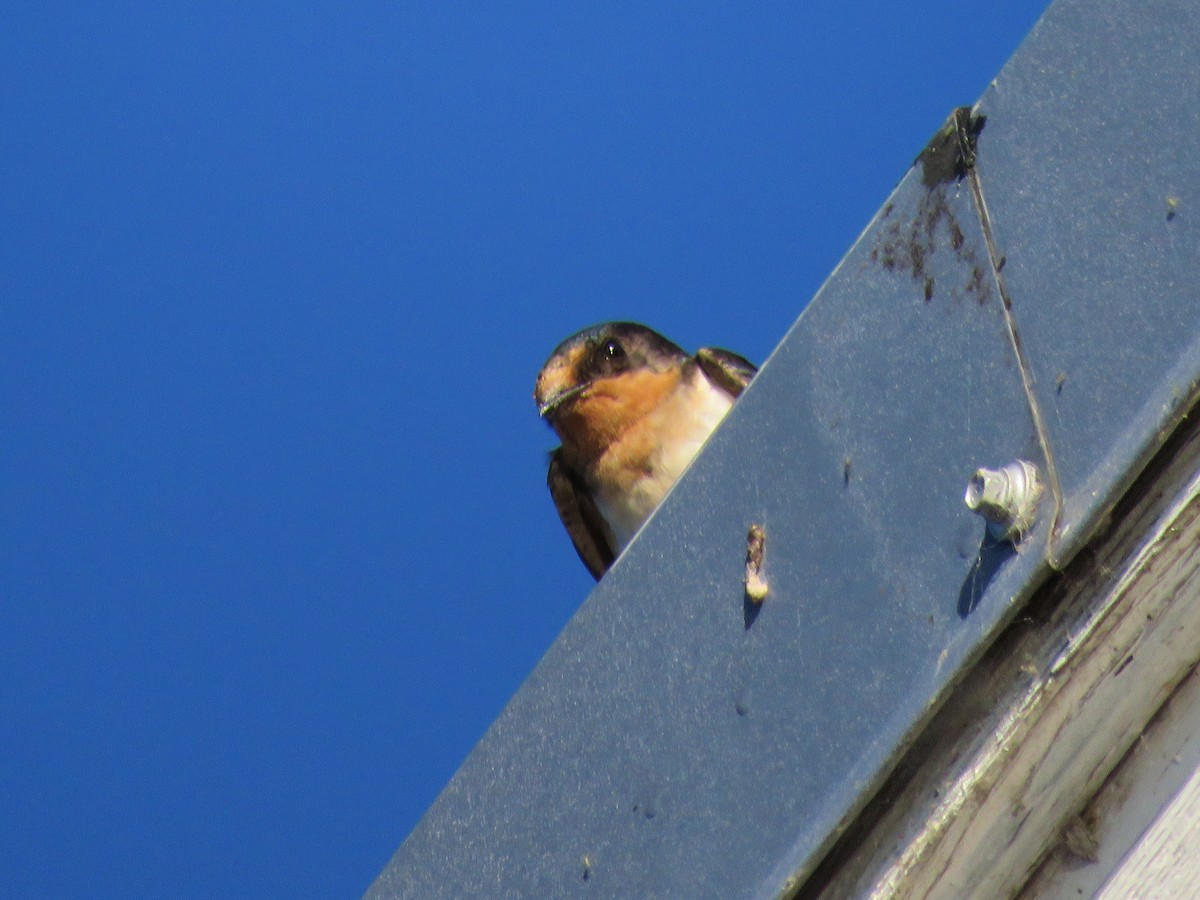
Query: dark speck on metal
point(664, 748)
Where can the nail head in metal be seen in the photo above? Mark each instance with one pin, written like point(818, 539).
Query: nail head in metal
point(1007, 498)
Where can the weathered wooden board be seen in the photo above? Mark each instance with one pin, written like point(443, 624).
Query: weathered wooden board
point(1111, 836)
point(1165, 863)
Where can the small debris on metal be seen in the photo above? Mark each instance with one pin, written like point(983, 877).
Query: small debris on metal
point(756, 545)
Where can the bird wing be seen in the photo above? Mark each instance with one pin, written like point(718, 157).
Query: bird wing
point(579, 515)
point(728, 371)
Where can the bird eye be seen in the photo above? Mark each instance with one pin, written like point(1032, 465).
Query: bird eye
point(607, 357)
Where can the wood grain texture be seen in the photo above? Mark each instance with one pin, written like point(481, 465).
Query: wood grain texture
point(1138, 793)
point(1166, 862)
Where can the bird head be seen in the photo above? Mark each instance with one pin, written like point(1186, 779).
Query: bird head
point(597, 381)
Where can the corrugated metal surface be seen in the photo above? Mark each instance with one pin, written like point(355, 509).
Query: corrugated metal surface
point(670, 743)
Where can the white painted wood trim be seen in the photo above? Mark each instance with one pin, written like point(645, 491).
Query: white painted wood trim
point(1160, 765)
point(1166, 863)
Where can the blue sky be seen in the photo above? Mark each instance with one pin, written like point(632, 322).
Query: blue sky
point(276, 280)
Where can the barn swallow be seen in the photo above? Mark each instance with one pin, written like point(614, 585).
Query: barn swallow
point(631, 409)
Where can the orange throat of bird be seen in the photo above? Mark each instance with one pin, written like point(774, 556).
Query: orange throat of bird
point(633, 440)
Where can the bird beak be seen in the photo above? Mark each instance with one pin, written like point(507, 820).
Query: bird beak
point(560, 398)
